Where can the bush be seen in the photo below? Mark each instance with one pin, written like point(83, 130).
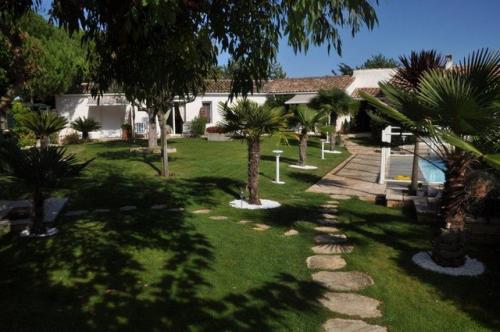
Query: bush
point(24, 136)
point(73, 138)
point(198, 126)
point(215, 130)
point(85, 126)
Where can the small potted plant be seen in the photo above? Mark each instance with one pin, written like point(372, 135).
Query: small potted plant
point(126, 131)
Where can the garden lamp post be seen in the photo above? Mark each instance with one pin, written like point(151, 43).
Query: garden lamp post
point(278, 154)
point(323, 141)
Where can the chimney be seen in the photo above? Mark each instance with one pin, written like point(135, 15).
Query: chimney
point(449, 62)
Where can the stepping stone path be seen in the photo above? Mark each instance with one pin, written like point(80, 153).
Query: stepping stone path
point(332, 249)
point(243, 221)
point(325, 262)
point(158, 207)
point(261, 227)
point(330, 239)
point(343, 281)
point(340, 197)
point(351, 304)
point(327, 229)
point(76, 213)
point(201, 211)
point(327, 259)
point(291, 232)
point(102, 210)
point(218, 217)
point(128, 208)
point(350, 325)
point(177, 209)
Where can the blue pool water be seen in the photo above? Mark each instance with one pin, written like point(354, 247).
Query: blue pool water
point(432, 173)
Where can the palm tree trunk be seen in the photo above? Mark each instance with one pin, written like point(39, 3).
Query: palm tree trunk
point(163, 142)
point(44, 141)
point(152, 138)
point(414, 170)
point(37, 213)
point(333, 130)
point(253, 170)
point(449, 247)
point(303, 147)
point(85, 135)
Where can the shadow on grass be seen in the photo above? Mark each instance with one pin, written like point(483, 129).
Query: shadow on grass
point(139, 271)
point(475, 296)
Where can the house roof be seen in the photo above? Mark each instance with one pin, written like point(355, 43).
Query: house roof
point(371, 91)
point(307, 84)
point(288, 85)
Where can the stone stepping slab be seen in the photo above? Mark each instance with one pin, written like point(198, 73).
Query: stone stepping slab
point(329, 210)
point(340, 197)
point(343, 281)
point(243, 221)
point(176, 209)
point(76, 213)
point(102, 210)
point(326, 229)
point(332, 202)
point(327, 222)
point(159, 206)
point(351, 304)
point(128, 208)
point(329, 206)
point(261, 227)
point(330, 239)
point(332, 249)
point(218, 217)
point(291, 232)
point(328, 216)
point(201, 211)
point(350, 325)
point(325, 262)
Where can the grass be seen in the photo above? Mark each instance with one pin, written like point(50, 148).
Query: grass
point(179, 271)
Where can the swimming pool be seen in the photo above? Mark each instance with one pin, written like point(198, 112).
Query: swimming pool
point(432, 172)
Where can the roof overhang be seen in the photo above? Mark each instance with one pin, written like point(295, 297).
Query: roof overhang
point(301, 99)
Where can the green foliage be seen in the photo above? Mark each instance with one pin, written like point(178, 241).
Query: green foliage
point(307, 118)
point(198, 125)
point(72, 138)
point(248, 119)
point(58, 59)
point(85, 126)
point(274, 101)
point(44, 123)
point(335, 101)
point(379, 61)
point(24, 136)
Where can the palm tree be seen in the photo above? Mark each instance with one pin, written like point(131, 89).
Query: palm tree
point(41, 170)
point(307, 119)
point(408, 76)
point(458, 105)
point(43, 124)
point(334, 102)
point(85, 126)
point(251, 121)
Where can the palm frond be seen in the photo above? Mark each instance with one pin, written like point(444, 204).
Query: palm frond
point(43, 123)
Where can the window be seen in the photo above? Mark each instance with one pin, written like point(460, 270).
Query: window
point(140, 127)
point(206, 111)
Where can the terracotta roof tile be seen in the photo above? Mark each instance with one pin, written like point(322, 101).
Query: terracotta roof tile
point(371, 91)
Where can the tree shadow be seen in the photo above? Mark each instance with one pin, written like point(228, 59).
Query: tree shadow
point(475, 296)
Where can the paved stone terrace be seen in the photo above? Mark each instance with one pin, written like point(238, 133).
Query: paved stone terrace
point(357, 176)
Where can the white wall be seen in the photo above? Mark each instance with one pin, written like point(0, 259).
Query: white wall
point(109, 117)
point(369, 78)
point(193, 108)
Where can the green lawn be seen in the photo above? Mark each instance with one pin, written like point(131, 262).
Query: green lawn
point(178, 271)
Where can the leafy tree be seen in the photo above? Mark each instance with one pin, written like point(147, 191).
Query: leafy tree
point(24, 136)
point(248, 119)
point(408, 76)
point(378, 61)
point(41, 170)
point(334, 102)
point(43, 124)
point(458, 105)
point(307, 119)
point(85, 126)
point(344, 69)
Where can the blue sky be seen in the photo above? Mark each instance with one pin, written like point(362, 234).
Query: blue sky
point(450, 26)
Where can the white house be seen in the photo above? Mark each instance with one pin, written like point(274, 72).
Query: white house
point(113, 109)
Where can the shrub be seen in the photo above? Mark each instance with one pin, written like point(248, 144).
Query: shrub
point(198, 126)
point(85, 126)
point(73, 138)
point(24, 136)
point(215, 130)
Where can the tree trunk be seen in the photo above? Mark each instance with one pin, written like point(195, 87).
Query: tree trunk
point(253, 170)
point(152, 138)
point(85, 135)
point(44, 141)
point(414, 170)
point(449, 246)
point(37, 213)
point(163, 142)
point(333, 130)
point(4, 105)
point(303, 147)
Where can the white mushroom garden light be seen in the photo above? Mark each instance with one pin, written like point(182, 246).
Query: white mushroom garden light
point(278, 153)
